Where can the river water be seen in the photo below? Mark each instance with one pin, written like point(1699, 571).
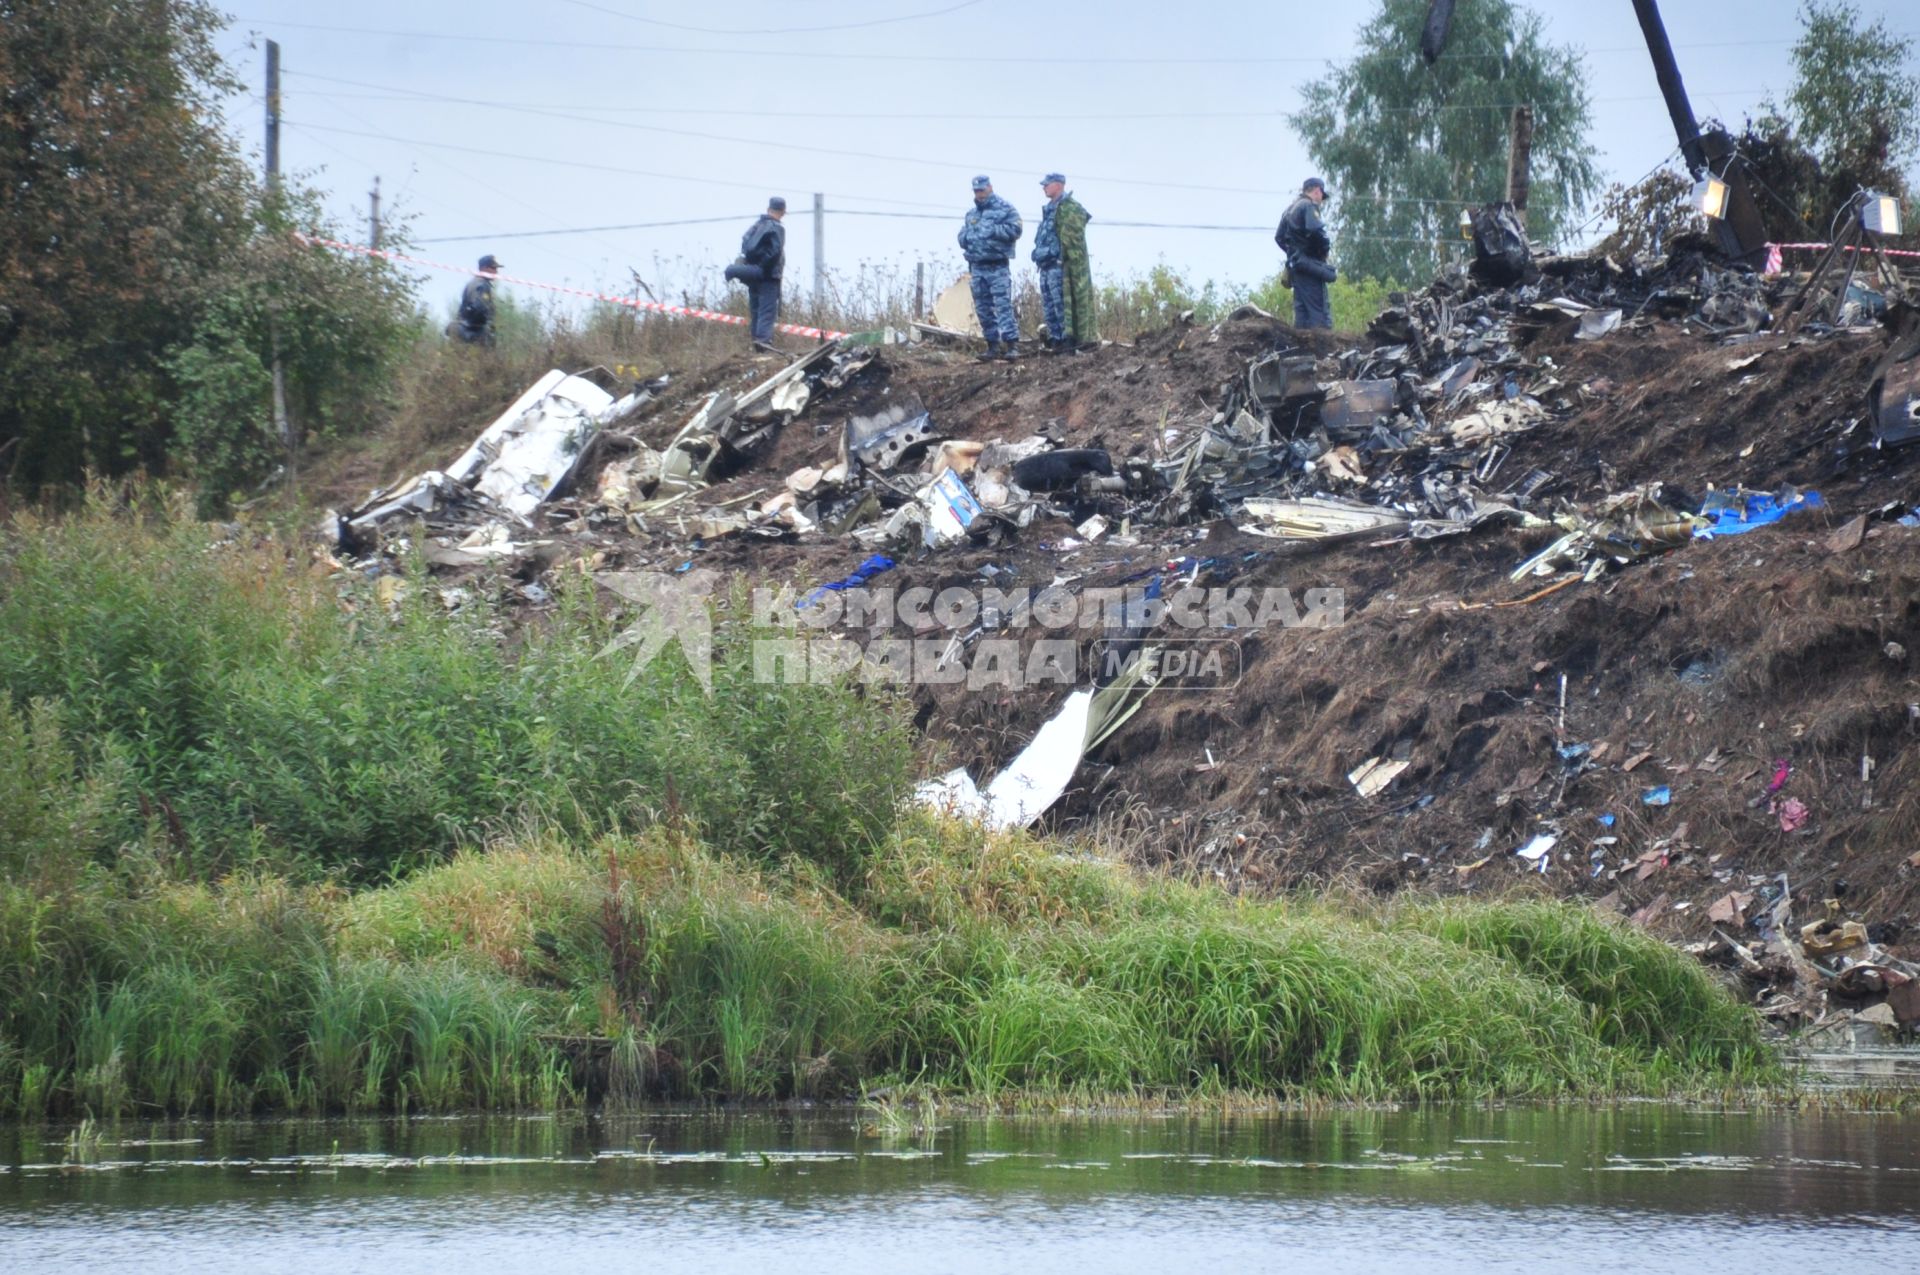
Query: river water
point(1630, 1188)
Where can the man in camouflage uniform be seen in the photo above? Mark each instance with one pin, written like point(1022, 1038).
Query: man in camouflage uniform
point(987, 238)
point(1066, 275)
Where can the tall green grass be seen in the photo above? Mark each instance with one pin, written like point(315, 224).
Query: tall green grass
point(471, 984)
point(264, 714)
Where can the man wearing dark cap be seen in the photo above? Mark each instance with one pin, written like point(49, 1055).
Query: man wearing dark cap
point(1304, 239)
point(1066, 275)
point(987, 238)
point(763, 255)
point(475, 323)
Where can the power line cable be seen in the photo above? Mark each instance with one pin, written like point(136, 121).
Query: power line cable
point(842, 26)
point(482, 184)
point(837, 153)
point(597, 167)
point(397, 94)
point(900, 216)
point(594, 230)
point(949, 165)
point(845, 55)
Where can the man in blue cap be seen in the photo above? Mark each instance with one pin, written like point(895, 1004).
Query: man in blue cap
point(763, 256)
point(1066, 275)
point(1304, 239)
point(475, 323)
point(987, 238)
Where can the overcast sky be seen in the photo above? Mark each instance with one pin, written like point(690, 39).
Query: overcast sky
point(582, 114)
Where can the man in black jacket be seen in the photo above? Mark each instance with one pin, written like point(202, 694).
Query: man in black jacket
point(475, 322)
point(1305, 241)
point(763, 254)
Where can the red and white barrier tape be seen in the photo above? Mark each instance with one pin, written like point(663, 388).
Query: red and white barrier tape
point(1822, 247)
point(654, 307)
point(1775, 265)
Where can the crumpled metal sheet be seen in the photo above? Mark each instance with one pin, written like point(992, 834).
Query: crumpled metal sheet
point(1318, 518)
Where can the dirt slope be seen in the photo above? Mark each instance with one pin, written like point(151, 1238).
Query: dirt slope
point(1700, 670)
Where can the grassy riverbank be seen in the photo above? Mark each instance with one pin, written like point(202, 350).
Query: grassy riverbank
point(267, 843)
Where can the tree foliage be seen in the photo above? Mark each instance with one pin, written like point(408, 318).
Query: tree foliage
point(128, 224)
point(1648, 214)
point(1853, 96)
point(1405, 145)
point(1849, 123)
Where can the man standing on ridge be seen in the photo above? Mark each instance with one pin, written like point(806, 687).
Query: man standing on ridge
point(987, 238)
point(1304, 239)
point(475, 322)
point(1066, 275)
point(763, 256)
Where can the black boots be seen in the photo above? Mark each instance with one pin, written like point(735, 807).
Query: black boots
point(993, 352)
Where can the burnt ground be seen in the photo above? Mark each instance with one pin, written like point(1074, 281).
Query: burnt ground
point(1699, 670)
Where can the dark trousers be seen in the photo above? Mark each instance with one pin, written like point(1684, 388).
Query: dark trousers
point(763, 303)
point(1311, 308)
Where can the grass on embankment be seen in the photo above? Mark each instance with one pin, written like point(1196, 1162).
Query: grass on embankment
point(238, 806)
point(208, 680)
point(984, 966)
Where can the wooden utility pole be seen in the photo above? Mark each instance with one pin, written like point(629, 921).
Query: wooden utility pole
point(282, 422)
point(919, 289)
point(373, 222)
point(273, 115)
point(819, 254)
point(1520, 161)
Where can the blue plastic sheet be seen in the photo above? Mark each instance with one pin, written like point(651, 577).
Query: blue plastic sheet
point(1734, 513)
point(864, 572)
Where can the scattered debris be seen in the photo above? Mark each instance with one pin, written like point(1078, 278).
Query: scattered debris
point(1451, 446)
point(1375, 774)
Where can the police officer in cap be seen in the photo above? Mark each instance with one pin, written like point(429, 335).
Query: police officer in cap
point(475, 322)
point(1304, 239)
point(763, 256)
point(987, 236)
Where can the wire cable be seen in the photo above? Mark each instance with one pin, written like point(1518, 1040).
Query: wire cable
point(1052, 59)
point(842, 26)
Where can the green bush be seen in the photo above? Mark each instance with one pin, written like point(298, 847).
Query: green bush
point(272, 721)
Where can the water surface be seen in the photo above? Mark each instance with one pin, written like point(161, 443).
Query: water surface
point(1634, 1188)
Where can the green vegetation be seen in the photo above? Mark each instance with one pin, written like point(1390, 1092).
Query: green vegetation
point(1850, 122)
point(983, 965)
point(147, 283)
point(1146, 303)
point(1406, 146)
point(257, 713)
point(268, 844)
point(1853, 92)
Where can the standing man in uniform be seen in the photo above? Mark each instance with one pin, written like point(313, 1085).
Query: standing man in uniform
point(1081, 329)
point(1046, 259)
point(1304, 239)
point(987, 238)
point(475, 322)
point(763, 256)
